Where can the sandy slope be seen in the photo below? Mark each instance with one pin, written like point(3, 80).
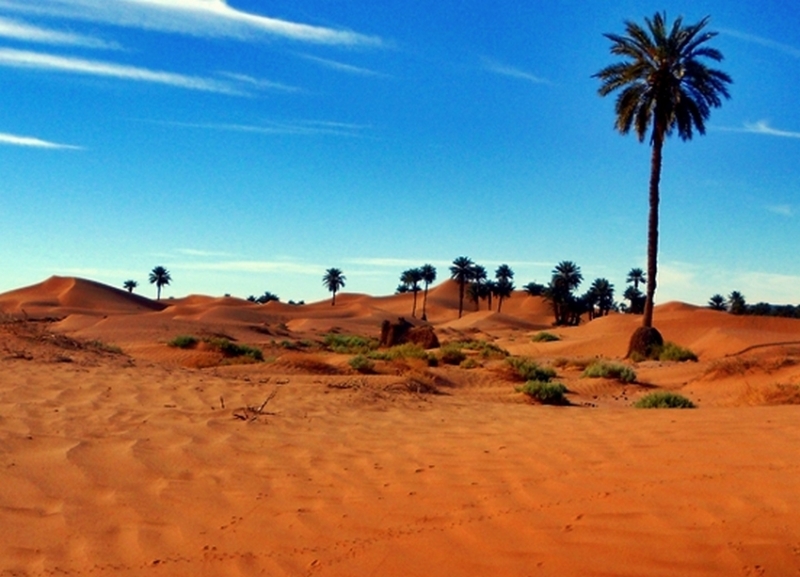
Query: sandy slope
point(134, 464)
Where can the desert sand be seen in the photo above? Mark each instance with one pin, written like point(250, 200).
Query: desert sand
point(121, 455)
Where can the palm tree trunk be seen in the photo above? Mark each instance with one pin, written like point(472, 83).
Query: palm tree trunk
point(424, 303)
point(333, 301)
point(652, 225)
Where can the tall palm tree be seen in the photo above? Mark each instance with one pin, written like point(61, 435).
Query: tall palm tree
point(333, 279)
point(461, 272)
point(428, 276)
point(663, 82)
point(160, 276)
point(636, 275)
point(130, 285)
point(411, 279)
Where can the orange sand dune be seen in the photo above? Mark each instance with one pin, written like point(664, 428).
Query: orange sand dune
point(133, 464)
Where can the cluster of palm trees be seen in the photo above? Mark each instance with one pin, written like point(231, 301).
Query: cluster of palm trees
point(409, 282)
point(473, 279)
point(568, 307)
point(159, 276)
point(737, 305)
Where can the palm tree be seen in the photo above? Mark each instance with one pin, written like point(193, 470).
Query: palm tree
point(534, 289)
point(411, 279)
point(461, 272)
point(603, 291)
point(333, 279)
point(130, 285)
point(428, 276)
point(736, 303)
point(636, 275)
point(717, 303)
point(662, 81)
point(478, 287)
point(566, 278)
point(267, 297)
point(503, 287)
point(160, 276)
point(637, 298)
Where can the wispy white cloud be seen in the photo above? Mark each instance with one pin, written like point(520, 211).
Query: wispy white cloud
point(259, 83)
point(491, 65)
point(32, 142)
point(342, 67)
point(301, 128)
point(206, 18)
point(752, 38)
point(42, 61)
point(781, 209)
point(763, 127)
point(17, 30)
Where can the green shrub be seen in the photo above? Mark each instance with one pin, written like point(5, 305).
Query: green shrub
point(545, 337)
point(672, 352)
point(469, 363)
point(361, 364)
point(486, 349)
point(349, 344)
point(451, 354)
point(664, 400)
point(231, 349)
point(607, 370)
point(404, 351)
point(183, 341)
point(104, 347)
point(545, 392)
point(530, 370)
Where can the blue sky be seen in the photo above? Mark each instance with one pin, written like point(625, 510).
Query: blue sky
point(249, 145)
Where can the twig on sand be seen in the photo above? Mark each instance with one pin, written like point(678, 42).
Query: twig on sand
point(251, 413)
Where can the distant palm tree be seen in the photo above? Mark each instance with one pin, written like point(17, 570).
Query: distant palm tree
point(662, 81)
point(736, 303)
point(333, 279)
point(267, 297)
point(428, 276)
point(461, 272)
point(636, 298)
point(534, 289)
point(503, 287)
point(130, 285)
point(160, 276)
point(478, 287)
point(717, 303)
point(566, 278)
point(411, 279)
point(636, 275)
point(603, 291)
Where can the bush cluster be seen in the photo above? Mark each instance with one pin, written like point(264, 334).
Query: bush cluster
point(349, 344)
point(545, 392)
point(608, 370)
point(664, 400)
point(530, 370)
point(545, 337)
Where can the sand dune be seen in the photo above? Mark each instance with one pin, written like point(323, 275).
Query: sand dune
point(134, 463)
